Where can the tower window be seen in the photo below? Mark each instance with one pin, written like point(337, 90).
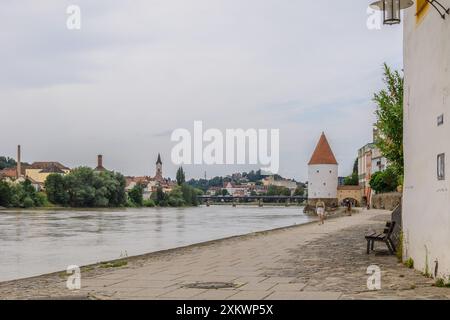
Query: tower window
point(441, 166)
point(317, 171)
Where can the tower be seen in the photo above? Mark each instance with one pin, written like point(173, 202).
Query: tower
point(159, 174)
point(19, 163)
point(323, 175)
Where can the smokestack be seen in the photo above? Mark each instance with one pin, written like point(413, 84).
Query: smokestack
point(19, 164)
point(99, 161)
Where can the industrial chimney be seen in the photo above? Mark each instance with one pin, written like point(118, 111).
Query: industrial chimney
point(99, 161)
point(19, 164)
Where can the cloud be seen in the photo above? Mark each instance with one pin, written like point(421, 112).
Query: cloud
point(136, 70)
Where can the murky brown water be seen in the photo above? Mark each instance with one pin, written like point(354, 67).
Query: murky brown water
point(38, 242)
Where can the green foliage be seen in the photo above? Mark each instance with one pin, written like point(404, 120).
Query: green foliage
point(409, 263)
point(20, 195)
point(84, 187)
point(352, 180)
point(136, 195)
point(181, 177)
point(441, 283)
point(278, 191)
point(390, 119)
point(56, 190)
point(384, 181)
point(299, 192)
point(113, 264)
point(149, 203)
point(6, 162)
point(355, 167)
point(5, 194)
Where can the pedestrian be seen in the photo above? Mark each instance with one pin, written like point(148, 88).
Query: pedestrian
point(320, 210)
point(349, 207)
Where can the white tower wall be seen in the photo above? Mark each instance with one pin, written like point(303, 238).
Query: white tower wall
point(322, 181)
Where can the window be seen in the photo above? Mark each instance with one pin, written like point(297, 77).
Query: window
point(441, 166)
point(440, 120)
point(317, 171)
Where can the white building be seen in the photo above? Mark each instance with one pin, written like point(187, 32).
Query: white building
point(323, 174)
point(426, 200)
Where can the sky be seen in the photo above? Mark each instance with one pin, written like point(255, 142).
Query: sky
point(137, 70)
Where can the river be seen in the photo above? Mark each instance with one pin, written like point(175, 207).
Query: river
point(38, 242)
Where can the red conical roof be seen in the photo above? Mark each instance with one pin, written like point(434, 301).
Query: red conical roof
point(323, 154)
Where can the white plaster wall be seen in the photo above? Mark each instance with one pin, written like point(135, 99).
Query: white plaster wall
point(322, 181)
point(426, 201)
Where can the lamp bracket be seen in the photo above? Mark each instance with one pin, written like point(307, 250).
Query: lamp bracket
point(438, 6)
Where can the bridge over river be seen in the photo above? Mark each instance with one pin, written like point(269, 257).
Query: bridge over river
point(234, 200)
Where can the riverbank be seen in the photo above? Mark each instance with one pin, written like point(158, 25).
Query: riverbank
point(300, 262)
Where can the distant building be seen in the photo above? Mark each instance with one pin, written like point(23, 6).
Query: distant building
point(39, 171)
point(151, 184)
point(323, 175)
point(285, 183)
point(370, 160)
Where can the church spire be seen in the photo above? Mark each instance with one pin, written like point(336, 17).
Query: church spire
point(159, 159)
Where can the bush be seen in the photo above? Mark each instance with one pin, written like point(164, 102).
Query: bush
point(409, 263)
point(149, 203)
point(28, 202)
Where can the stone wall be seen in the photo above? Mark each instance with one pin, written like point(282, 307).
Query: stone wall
point(331, 205)
point(387, 201)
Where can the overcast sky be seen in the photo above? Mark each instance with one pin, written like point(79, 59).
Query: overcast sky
point(139, 69)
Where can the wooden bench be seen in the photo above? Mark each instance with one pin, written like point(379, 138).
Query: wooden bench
point(382, 237)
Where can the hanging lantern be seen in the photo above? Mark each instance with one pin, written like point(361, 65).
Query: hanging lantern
point(391, 9)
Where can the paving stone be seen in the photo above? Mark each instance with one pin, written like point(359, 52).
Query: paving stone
point(311, 295)
point(250, 295)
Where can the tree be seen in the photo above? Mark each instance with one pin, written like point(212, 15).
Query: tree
point(56, 190)
point(5, 194)
point(136, 195)
point(390, 119)
point(6, 162)
point(181, 178)
point(299, 192)
point(384, 181)
point(355, 167)
point(352, 180)
point(84, 187)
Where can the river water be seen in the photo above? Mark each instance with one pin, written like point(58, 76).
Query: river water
point(38, 242)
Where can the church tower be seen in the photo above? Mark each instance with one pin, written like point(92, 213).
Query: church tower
point(159, 174)
point(323, 175)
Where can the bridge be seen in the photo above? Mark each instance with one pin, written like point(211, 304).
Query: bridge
point(287, 200)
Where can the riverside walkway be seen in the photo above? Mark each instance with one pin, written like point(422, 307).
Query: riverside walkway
point(296, 263)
